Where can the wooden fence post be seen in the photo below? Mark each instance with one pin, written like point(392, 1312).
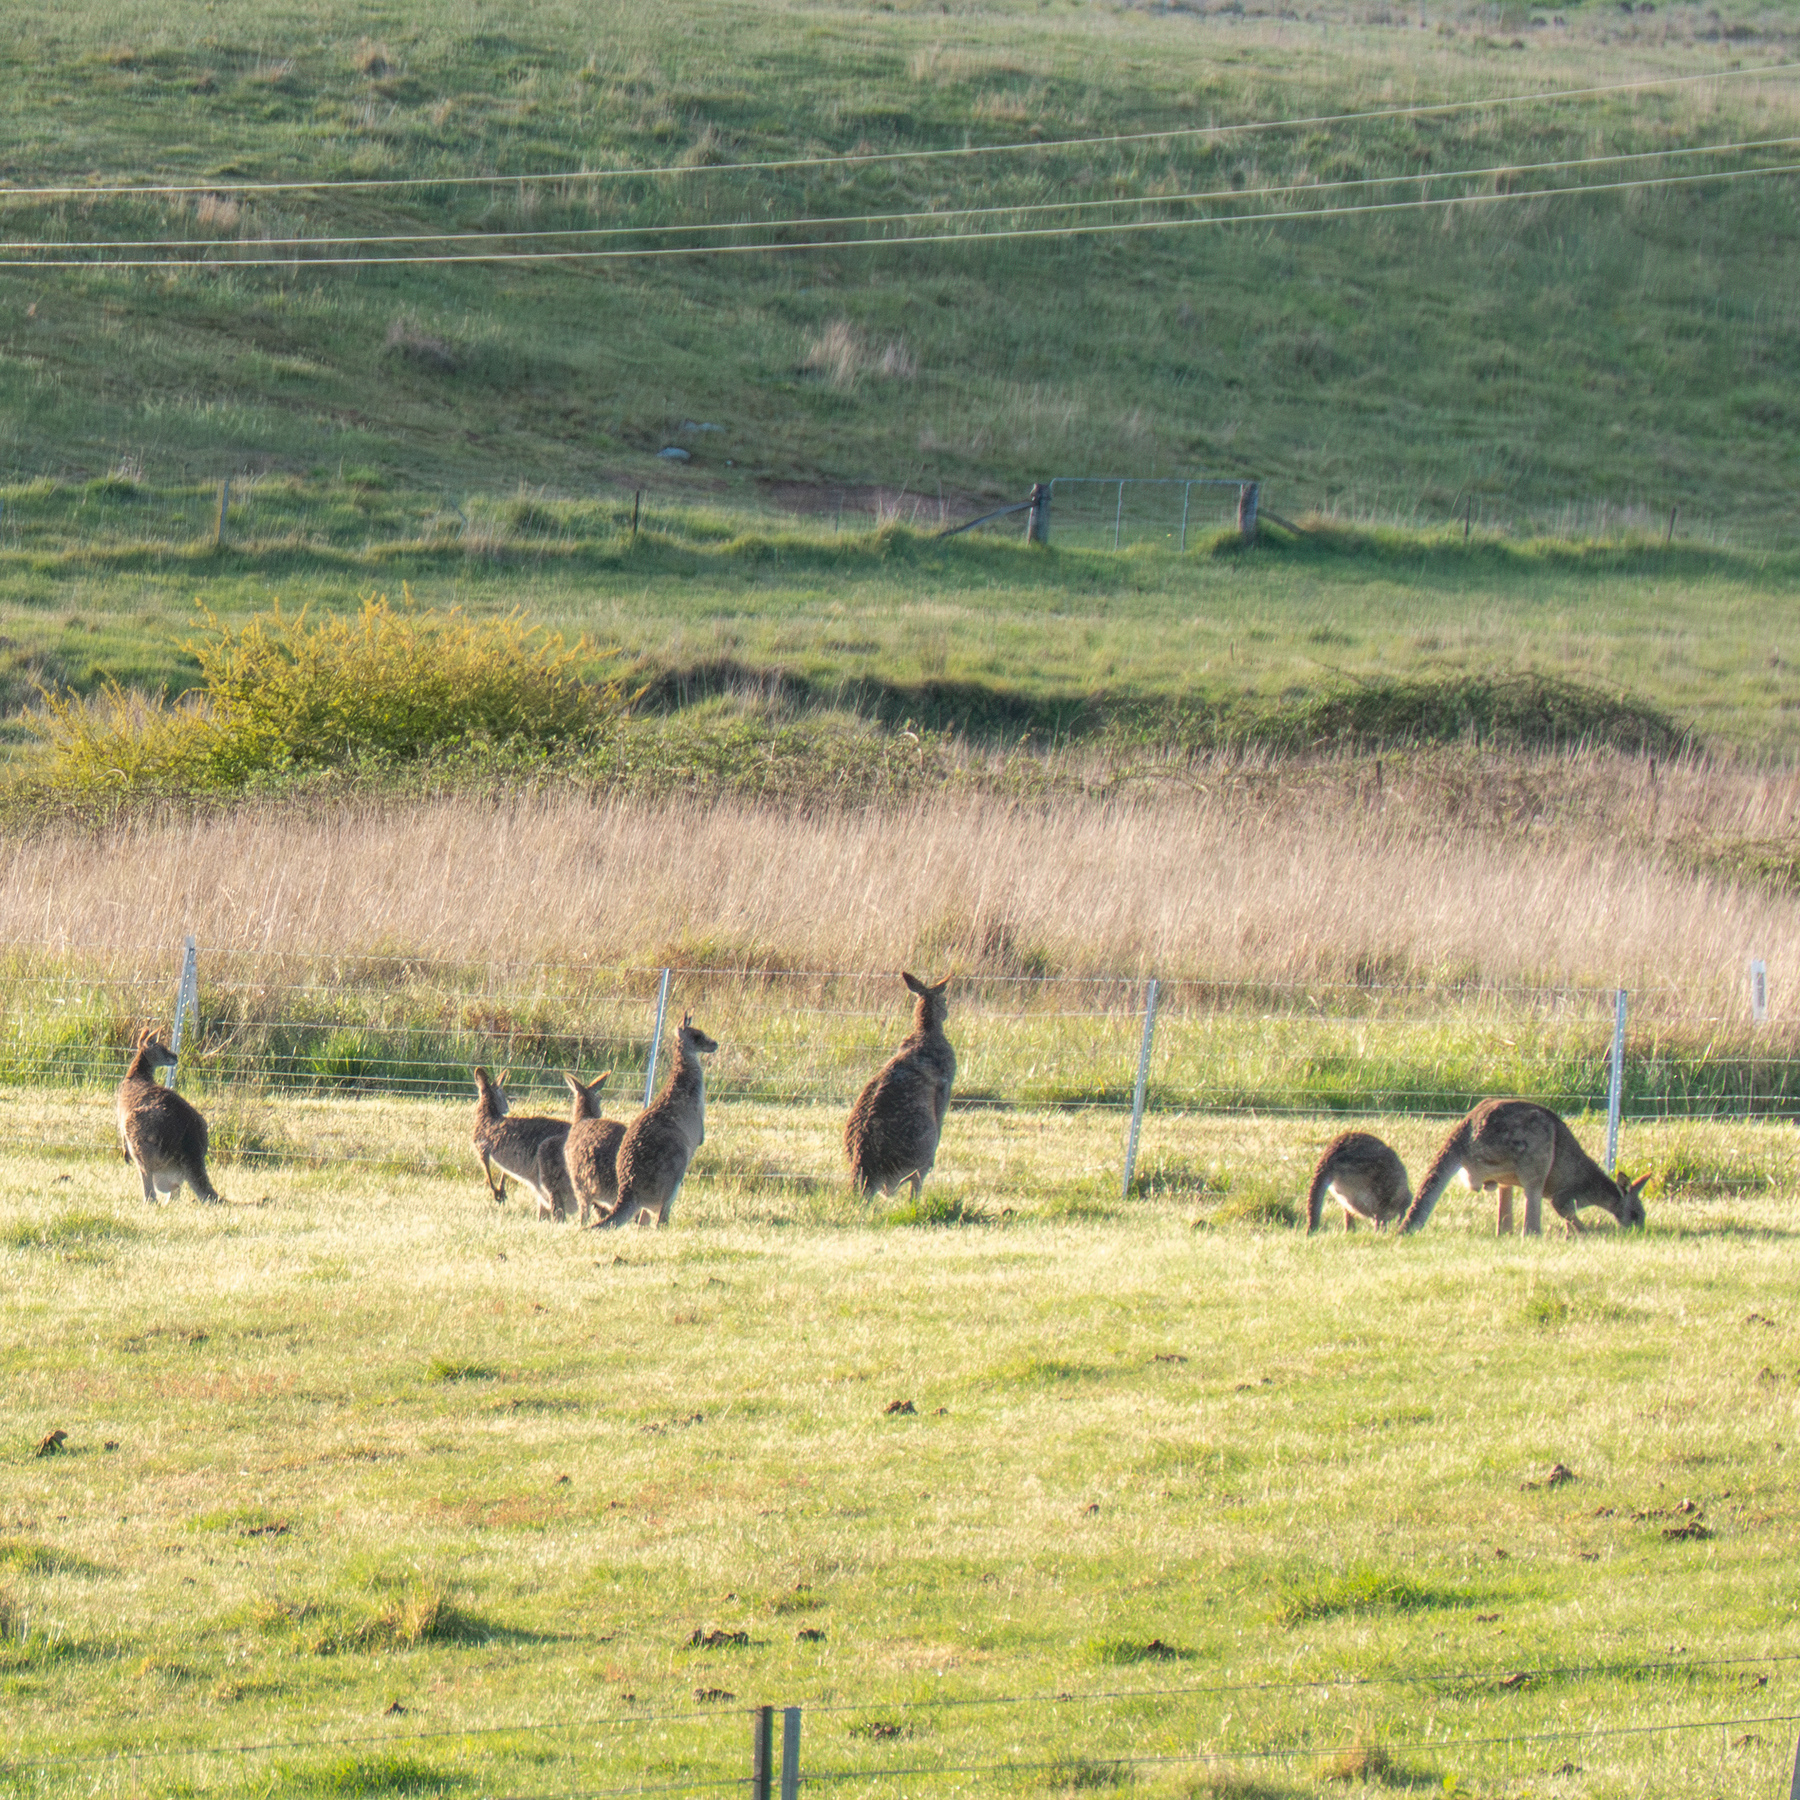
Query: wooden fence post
point(637, 495)
point(1037, 521)
point(224, 506)
point(1248, 494)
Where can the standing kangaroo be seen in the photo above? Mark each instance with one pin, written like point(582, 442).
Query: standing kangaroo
point(163, 1136)
point(659, 1143)
point(1517, 1143)
point(1364, 1176)
point(590, 1153)
point(513, 1146)
point(892, 1133)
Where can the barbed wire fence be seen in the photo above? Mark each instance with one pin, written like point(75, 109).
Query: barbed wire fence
point(275, 1024)
point(1081, 1758)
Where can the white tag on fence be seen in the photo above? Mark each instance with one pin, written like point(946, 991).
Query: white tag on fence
point(1759, 992)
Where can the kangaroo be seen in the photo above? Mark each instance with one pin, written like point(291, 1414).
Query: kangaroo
point(511, 1145)
point(1517, 1143)
point(163, 1136)
point(1364, 1176)
point(589, 1156)
point(892, 1134)
point(658, 1144)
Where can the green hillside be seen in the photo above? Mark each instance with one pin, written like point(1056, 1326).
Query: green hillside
point(1557, 361)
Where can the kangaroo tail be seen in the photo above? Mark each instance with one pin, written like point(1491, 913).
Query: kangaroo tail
point(1443, 1166)
point(1315, 1195)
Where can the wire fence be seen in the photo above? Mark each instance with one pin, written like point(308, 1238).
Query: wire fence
point(268, 1030)
point(1078, 1741)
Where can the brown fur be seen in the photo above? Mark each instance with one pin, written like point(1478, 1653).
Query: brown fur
point(660, 1142)
point(513, 1144)
point(1518, 1143)
point(164, 1137)
point(892, 1133)
point(590, 1153)
point(1364, 1176)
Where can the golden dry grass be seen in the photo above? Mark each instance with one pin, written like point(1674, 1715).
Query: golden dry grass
point(1577, 868)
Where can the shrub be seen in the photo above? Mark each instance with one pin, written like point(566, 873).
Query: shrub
point(385, 685)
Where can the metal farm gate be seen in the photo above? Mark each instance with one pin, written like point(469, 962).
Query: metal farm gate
point(1109, 512)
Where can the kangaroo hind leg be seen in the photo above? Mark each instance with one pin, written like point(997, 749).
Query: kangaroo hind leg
point(1503, 1213)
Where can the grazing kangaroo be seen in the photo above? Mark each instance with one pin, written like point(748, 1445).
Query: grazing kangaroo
point(590, 1153)
point(512, 1145)
point(658, 1144)
point(1517, 1143)
point(1364, 1176)
point(163, 1136)
point(892, 1133)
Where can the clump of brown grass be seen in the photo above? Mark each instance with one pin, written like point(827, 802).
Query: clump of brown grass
point(220, 211)
point(843, 356)
point(424, 349)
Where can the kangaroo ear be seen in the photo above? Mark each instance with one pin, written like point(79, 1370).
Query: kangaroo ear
point(504, 1078)
point(1637, 1187)
point(687, 1021)
point(599, 1081)
point(913, 982)
point(574, 1084)
point(941, 985)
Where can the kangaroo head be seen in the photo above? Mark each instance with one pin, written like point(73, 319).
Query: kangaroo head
point(934, 1002)
point(693, 1038)
point(492, 1091)
point(156, 1054)
point(585, 1094)
point(1631, 1201)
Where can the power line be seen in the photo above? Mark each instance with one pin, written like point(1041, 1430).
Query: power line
point(659, 253)
point(127, 190)
point(12, 246)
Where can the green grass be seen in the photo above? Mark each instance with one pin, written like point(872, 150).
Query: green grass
point(1539, 358)
point(1140, 1458)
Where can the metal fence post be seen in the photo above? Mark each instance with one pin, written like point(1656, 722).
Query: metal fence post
point(762, 1751)
point(1118, 515)
point(1187, 492)
point(1759, 992)
point(1794, 1790)
point(187, 998)
point(790, 1753)
point(662, 1006)
point(1615, 1086)
point(1143, 1076)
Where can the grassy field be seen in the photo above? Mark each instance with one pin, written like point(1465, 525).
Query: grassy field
point(1629, 350)
point(418, 1496)
point(366, 1487)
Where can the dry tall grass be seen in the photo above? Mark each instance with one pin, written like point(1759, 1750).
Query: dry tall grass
point(1559, 869)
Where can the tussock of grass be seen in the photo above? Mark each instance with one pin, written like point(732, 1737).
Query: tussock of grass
point(362, 1778)
point(444, 1369)
point(939, 1208)
point(70, 1231)
point(1358, 1591)
point(405, 1619)
point(1119, 1652)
